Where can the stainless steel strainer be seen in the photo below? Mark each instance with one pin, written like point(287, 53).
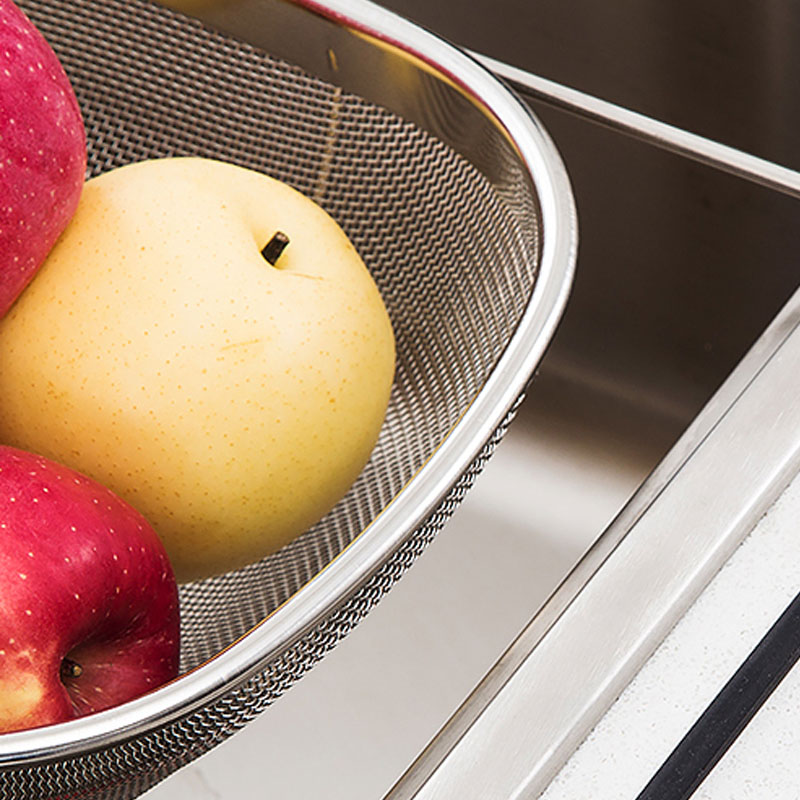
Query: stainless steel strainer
point(460, 206)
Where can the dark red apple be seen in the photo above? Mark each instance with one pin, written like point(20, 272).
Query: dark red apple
point(42, 151)
point(88, 601)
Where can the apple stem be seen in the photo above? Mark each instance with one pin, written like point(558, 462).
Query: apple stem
point(70, 669)
point(274, 247)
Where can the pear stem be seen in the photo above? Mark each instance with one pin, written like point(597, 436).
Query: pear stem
point(70, 669)
point(274, 247)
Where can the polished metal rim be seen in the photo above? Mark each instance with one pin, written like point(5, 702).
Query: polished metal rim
point(368, 552)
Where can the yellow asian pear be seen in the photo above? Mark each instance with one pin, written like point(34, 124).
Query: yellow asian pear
point(230, 400)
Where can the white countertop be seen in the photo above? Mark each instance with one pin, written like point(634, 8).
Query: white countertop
point(686, 672)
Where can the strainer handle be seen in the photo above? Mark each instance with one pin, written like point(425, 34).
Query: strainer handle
point(646, 129)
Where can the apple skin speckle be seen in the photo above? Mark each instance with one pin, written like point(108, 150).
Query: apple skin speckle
point(42, 152)
point(74, 589)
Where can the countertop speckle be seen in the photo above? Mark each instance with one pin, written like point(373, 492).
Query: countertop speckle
point(686, 672)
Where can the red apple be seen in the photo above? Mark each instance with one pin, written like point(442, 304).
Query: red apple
point(42, 151)
point(88, 605)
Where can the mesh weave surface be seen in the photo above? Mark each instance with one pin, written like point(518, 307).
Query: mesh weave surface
point(454, 258)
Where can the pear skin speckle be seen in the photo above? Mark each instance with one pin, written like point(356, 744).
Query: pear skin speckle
point(230, 401)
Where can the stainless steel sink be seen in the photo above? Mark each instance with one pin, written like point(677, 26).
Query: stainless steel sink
point(680, 269)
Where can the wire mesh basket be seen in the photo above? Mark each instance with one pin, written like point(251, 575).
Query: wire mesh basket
point(459, 205)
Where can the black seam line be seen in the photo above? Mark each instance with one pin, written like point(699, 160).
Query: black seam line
point(729, 712)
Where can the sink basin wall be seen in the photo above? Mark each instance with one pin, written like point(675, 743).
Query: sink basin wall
point(680, 268)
